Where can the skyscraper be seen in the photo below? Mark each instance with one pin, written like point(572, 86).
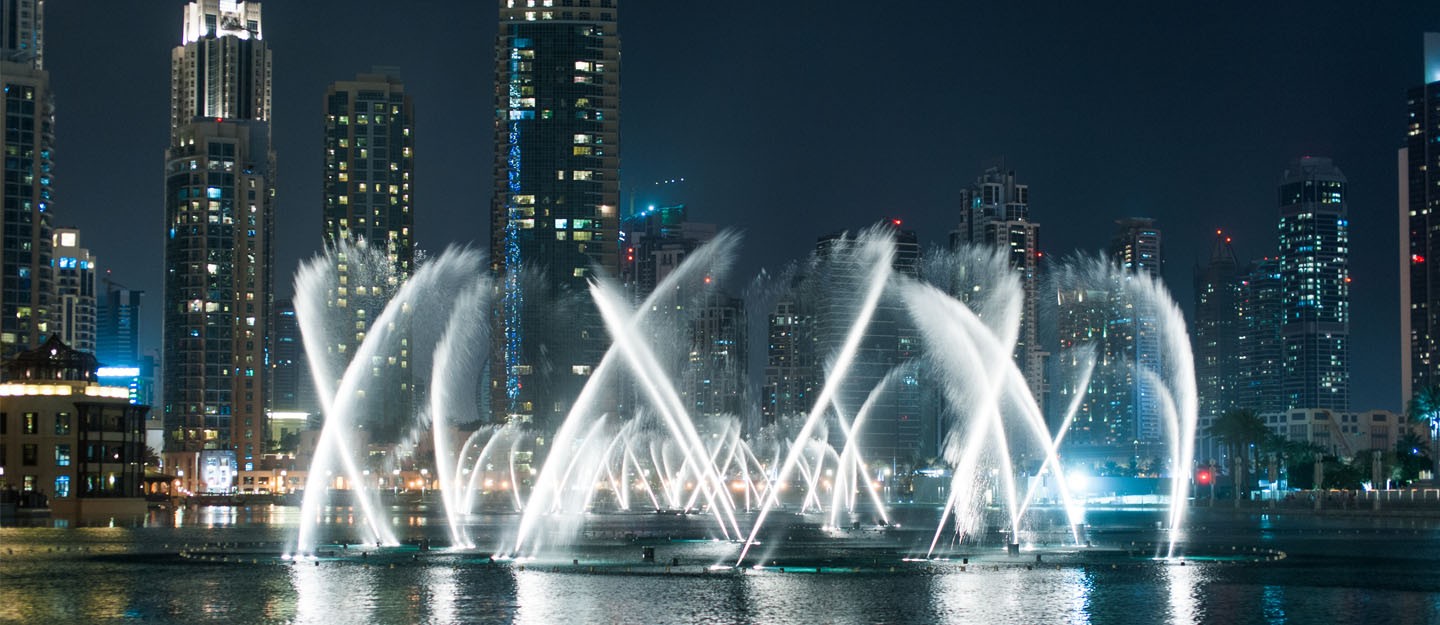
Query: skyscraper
point(369, 173)
point(27, 110)
point(896, 432)
point(1118, 419)
point(1261, 357)
point(292, 388)
point(219, 207)
point(370, 166)
point(1419, 165)
point(713, 379)
point(557, 189)
point(117, 345)
point(117, 326)
point(1216, 338)
point(74, 318)
point(995, 211)
point(1315, 285)
point(791, 376)
point(1136, 248)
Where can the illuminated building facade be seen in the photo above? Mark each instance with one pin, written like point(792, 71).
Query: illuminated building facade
point(219, 205)
point(1261, 356)
point(995, 212)
point(66, 441)
point(557, 188)
point(1419, 166)
point(74, 318)
point(1315, 285)
point(897, 431)
point(1216, 336)
point(791, 376)
point(369, 173)
point(27, 110)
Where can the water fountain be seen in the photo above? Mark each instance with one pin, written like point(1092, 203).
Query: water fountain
point(664, 458)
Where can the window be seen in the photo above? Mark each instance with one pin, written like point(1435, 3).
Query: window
point(32, 423)
point(62, 423)
point(62, 486)
point(29, 454)
point(62, 455)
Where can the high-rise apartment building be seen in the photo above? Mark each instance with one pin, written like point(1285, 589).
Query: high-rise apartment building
point(896, 432)
point(1136, 249)
point(74, 318)
point(1215, 337)
point(27, 110)
point(557, 189)
point(653, 243)
point(1118, 419)
point(995, 212)
point(792, 378)
point(369, 178)
point(1261, 355)
point(1419, 165)
point(1315, 285)
point(219, 209)
point(370, 166)
point(1137, 246)
point(713, 379)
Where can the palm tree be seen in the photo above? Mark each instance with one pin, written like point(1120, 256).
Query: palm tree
point(1412, 455)
point(1239, 430)
point(1424, 408)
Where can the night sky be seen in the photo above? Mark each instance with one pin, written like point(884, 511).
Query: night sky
point(789, 120)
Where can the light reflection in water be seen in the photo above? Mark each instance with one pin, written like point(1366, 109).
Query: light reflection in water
point(317, 601)
point(988, 596)
point(1183, 584)
point(543, 599)
point(1273, 604)
point(443, 589)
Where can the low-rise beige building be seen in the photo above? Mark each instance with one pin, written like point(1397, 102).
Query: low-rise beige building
point(1337, 432)
point(68, 443)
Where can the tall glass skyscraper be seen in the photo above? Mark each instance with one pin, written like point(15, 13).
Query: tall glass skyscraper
point(1216, 339)
point(1315, 285)
point(1261, 357)
point(557, 189)
point(219, 204)
point(27, 110)
point(1419, 165)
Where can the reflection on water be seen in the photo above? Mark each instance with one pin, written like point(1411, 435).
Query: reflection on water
point(1378, 573)
point(1184, 605)
point(1274, 605)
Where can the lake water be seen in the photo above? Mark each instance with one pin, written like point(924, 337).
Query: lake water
point(1336, 570)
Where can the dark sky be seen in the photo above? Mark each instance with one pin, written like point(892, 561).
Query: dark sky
point(789, 120)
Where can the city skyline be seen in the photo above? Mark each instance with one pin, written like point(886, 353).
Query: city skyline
point(770, 173)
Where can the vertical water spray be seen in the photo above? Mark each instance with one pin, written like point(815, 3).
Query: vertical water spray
point(878, 253)
point(452, 390)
